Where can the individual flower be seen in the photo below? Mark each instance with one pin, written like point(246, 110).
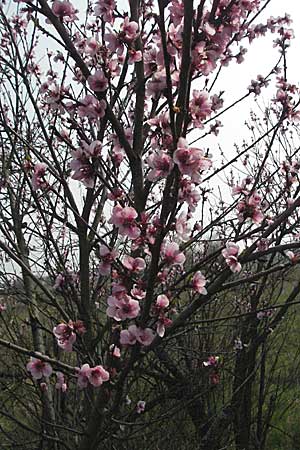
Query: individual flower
point(38, 368)
point(91, 107)
point(190, 160)
point(105, 9)
point(66, 334)
point(162, 302)
point(64, 10)
point(97, 375)
point(200, 107)
point(125, 220)
point(171, 254)
point(199, 282)
point(98, 82)
point(230, 254)
point(161, 165)
point(211, 362)
point(122, 308)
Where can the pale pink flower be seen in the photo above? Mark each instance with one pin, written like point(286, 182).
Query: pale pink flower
point(140, 406)
point(171, 254)
point(92, 108)
point(107, 258)
point(230, 254)
point(198, 283)
point(161, 325)
point(128, 337)
point(200, 107)
point(191, 161)
point(105, 9)
point(292, 257)
point(82, 376)
point(38, 368)
point(182, 227)
point(97, 375)
point(161, 164)
point(134, 265)
point(98, 82)
point(116, 352)
point(66, 334)
point(123, 308)
point(135, 334)
point(124, 219)
point(162, 301)
point(64, 10)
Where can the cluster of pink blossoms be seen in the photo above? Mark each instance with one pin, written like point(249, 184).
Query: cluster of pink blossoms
point(120, 305)
point(66, 334)
point(95, 376)
point(136, 334)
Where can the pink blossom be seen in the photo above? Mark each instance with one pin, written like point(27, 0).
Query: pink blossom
point(250, 207)
point(60, 382)
point(2, 307)
point(182, 227)
point(191, 161)
point(105, 9)
point(200, 107)
point(171, 254)
point(116, 352)
point(82, 376)
point(38, 368)
point(161, 325)
point(124, 219)
point(66, 334)
point(98, 82)
point(123, 308)
point(162, 301)
point(107, 258)
point(140, 406)
point(64, 10)
point(38, 177)
point(230, 254)
point(292, 257)
point(134, 265)
point(199, 282)
point(97, 375)
point(92, 108)
point(135, 334)
point(161, 164)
